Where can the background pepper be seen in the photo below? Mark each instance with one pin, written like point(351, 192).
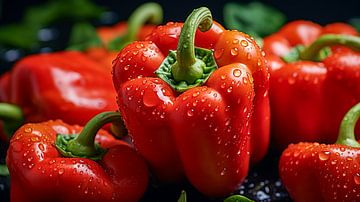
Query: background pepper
point(64, 85)
point(49, 161)
point(303, 91)
point(116, 37)
point(319, 172)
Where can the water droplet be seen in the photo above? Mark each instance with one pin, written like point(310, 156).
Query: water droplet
point(190, 112)
point(244, 43)
point(237, 72)
point(357, 178)
point(195, 94)
point(218, 53)
point(52, 162)
point(223, 77)
point(61, 171)
point(126, 67)
point(291, 80)
point(150, 98)
point(248, 56)
point(229, 89)
point(34, 139)
point(28, 130)
point(234, 51)
point(324, 155)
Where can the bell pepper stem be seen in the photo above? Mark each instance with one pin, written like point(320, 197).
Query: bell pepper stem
point(12, 117)
point(84, 143)
point(347, 127)
point(148, 12)
point(10, 112)
point(187, 67)
point(312, 51)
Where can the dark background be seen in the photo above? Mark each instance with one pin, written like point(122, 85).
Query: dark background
point(319, 11)
point(262, 182)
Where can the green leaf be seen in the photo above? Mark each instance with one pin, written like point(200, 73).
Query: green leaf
point(19, 35)
point(255, 18)
point(237, 198)
point(4, 171)
point(24, 34)
point(355, 22)
point(182, 197)
point(83, 36)
point(55, 10)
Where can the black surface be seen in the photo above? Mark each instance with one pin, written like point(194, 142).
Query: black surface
point(262, 183)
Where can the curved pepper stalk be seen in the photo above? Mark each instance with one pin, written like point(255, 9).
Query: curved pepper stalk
point(188, 66)
point(347, 127)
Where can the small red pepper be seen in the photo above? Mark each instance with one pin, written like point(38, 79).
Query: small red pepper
point(309, 97)
point(118, 36)
point(176, 122)
point(63, 85)
point(314, 172)
point(49, 161)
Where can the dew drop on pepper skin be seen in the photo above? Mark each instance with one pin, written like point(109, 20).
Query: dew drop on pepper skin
point(357, 178)
point(234, 51)
point(218, 53)
point(324, 155)
point(28, 130)
point(244, 43)
point(237, 72)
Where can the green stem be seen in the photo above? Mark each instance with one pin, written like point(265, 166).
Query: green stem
point(312, 51)
point(84, 143)
point(347, 127)
point(12, 117)
point(10, 112)
point(148, 12)
point(187, 67)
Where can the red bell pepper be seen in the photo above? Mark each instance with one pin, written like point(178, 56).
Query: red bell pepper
point(63, 85)
point(54, 161)
point(309, 97)
point(301, 33)
point(124, 33)
point(195, 116)
point(229, 50)
point(318, 172)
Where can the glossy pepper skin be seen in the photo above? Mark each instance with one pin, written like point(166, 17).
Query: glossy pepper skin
point(124, 33)
point(320, 172)
point(301, 92)
point(205, 129)
point(39, 172)
point(62, 85)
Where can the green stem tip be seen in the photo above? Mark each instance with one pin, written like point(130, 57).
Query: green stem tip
point(187, 67)
point(347, 127)
point(83, 145)
point(149, 12)
point(311, 52)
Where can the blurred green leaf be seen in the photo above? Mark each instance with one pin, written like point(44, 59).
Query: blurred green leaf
point(24, 34)
point(355, 22)
point(237, 198)
point(4, 171)
point(19, 35)
point(255, 18)
point(83, 36)
point(55, 10)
